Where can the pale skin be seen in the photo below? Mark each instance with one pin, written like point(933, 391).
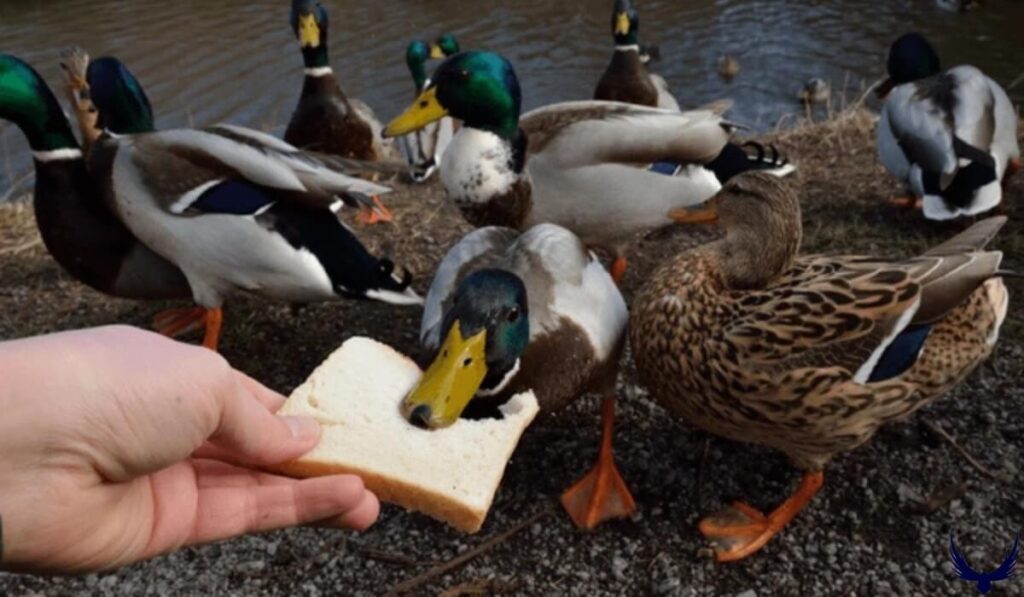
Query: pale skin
point(117, 445)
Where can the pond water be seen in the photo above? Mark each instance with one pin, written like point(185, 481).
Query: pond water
point(206, 62)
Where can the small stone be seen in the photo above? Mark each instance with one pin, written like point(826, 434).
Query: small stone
point(619, 566)
point(747, 593)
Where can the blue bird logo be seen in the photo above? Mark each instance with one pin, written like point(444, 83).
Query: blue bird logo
point(984, 579)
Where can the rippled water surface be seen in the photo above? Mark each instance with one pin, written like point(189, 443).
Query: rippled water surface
point(205, 62)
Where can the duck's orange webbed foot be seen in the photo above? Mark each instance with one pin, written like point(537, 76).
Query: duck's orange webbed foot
point(602, 493)
point(905, 201)
point(376, 214)
point(741, 530)
point(176, 322)
point(619, 270)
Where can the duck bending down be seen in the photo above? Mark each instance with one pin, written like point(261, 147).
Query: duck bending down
point(584, 165)
point(235, 209)
point(809, 355)
point(503, 308)
point(951, 135)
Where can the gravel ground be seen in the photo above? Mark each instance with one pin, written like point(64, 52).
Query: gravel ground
point(879, 527)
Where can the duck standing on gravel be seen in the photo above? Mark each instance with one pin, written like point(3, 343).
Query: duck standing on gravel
point(510, 312)
point(583, 165)
point(235, 209)
point(325, 119)
point(806, 354)
point(950, 136)
point(627, 79)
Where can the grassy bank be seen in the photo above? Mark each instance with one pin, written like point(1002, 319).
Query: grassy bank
point(880, 526)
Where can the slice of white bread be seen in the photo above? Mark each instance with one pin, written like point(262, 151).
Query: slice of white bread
point(450, 474)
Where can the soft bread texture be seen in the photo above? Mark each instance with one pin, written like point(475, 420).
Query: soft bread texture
point(450, 474)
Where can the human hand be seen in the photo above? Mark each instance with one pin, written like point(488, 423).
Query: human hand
point(117, 445)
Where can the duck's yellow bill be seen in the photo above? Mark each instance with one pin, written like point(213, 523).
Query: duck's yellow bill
point(436, 52)
point(309, 31)
point(450, 382)
point(423, 111)
point(622, 23)
point(705, 215)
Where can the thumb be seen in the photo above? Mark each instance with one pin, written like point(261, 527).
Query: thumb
point(249, 431)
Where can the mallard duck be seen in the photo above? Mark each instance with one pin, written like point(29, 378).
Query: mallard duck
point(73, 62)
point(76, 226)
point(950, 136)
point(806, 354)
point(423, 149)
point(728, 66)
point(502, 308)
point(815, 91)
point(326, 120)
point(235, 209)
point(626, 79)
point(583, 165)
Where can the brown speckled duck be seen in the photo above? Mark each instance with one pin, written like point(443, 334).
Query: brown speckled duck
point(806, 354)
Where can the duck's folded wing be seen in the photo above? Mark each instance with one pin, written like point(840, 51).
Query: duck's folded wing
point(922, 130)
point(181, 165)
point(480, 248)
point(575, 134)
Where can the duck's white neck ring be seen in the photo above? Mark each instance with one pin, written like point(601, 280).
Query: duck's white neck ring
point(318, 71)
point(501, 386)
point(629, 48)
point(53, 155)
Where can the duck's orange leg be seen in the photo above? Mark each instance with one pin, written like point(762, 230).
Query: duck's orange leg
point(175, 322)
point(601, 494)
point(376, 214)
point(907, 201)
point(741, 530)
point(619, 270)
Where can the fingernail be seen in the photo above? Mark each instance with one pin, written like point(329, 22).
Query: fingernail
point(303, 428)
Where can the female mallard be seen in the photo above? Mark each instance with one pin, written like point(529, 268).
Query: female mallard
point(423, 149)
point(326, 120)
point(582, 165)
point(815, 91)
point(808, 355)
point(728, 67)
point(235, 209)
point(951, 136)
point(502, 309)
point(77, 227)
point(626, 79)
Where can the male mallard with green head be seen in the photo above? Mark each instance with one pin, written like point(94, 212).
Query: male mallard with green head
point(951, 136)
point(235, 209)
point(627, 79)
point(325, 119)
point(806, 354)
point(76, 226)
point(582, 165)
point(424, 148)
point(510, 312)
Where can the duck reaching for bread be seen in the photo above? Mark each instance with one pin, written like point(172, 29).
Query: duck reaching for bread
point(810, 354)
point(582, 165)
point(325, 119)
point(423, 149)
point(951, 136)
point(235, 209)
point(627, 79)
point(502, 309)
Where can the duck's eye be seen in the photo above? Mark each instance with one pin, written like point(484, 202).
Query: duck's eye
point(464, 75)
point(513, 315)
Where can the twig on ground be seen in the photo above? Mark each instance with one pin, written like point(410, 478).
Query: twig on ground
point(941, 498)
point(480, 586)
point(421, 579)
point(941, 433)
point(1015, 82)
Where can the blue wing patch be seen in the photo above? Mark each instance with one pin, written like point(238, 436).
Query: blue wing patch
point(902, 353)
point(233, 197)
point(666, 168)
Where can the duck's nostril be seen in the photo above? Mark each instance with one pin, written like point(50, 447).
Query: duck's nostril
point(420, 416)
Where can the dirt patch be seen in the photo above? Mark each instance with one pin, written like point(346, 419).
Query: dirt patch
point(864, 535)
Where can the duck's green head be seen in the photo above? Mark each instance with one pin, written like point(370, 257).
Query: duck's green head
point(26, 101)
point(625, 23)
point(119, 98)
point(485, 333)
point(416, 55)
point(479, 88)
point(911, 58)
point(444, 46)
point(309, 23)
